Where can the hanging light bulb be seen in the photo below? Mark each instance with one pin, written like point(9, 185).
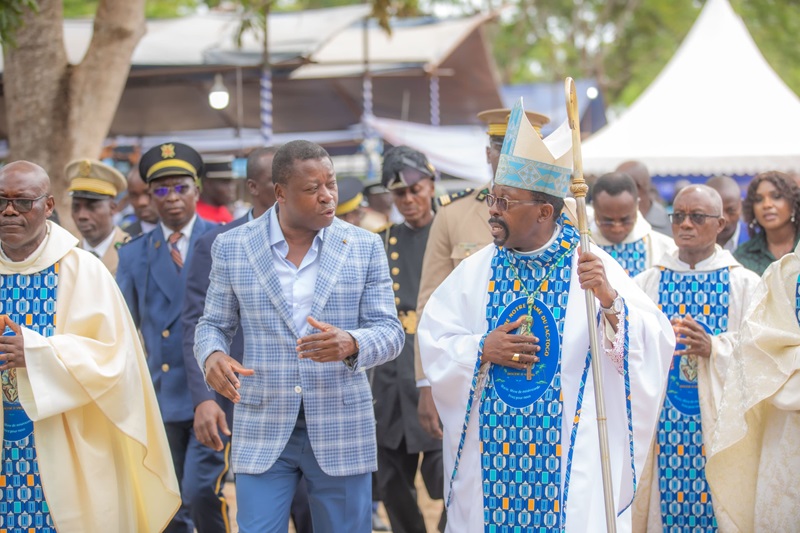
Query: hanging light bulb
point(218, 98)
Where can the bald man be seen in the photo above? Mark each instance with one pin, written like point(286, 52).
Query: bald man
point(704, 291)
point(653, 212)
point(735, 231)
point(75, 372)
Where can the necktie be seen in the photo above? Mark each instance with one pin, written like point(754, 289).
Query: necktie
point(173, 249)
point(95, 254)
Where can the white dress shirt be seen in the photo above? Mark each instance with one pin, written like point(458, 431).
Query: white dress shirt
point(183, 242)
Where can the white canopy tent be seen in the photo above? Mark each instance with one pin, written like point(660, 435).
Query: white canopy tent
point(717, 107)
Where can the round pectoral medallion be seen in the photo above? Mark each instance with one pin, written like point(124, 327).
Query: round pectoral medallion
point(682, 380)
point(512, 385)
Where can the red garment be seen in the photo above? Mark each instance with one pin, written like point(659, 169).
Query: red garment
point(219, 214)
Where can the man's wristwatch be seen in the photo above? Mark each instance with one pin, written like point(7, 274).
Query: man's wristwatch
point(616, 306)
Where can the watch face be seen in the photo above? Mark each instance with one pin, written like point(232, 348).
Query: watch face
point(618, 306)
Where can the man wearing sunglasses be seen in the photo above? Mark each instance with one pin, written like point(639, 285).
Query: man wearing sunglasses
point(152, 276)
point(704, 291)
point(83, 441)
point(94, 187)
point(620, 229)
point(505, 344)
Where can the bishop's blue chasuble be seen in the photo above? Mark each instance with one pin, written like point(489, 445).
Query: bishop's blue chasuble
point(685, 497)
point(30, 301)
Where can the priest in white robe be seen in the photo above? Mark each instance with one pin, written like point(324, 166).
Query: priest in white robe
point(84, 448)
point(705, 292)
point(619, 228)
point(754, 460)
point(504, 341)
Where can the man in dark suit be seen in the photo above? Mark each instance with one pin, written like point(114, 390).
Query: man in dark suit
point(152, 277)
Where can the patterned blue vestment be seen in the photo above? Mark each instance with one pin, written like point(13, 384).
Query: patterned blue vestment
point(30, 301)
point(685, 498)
point(631, 256)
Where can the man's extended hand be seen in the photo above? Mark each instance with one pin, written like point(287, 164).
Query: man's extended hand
point(208, 416)
point(12, 347)
point(693, 336)
point(221, 370)
point(515, 351)
point(427, 413)
point(332, 344)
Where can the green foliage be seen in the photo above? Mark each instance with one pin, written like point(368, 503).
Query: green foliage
point(153, 8)
point(11, 18)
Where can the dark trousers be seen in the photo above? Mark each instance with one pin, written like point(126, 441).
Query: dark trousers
point(201, 475)
point(397, 470)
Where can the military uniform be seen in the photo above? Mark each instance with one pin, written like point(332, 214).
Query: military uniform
point(95, 181)
point(459, 229)
point(401, 439)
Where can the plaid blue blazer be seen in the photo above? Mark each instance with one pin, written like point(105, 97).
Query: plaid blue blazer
point(353, 292)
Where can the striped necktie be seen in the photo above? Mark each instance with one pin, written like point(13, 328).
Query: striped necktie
point(173, 249)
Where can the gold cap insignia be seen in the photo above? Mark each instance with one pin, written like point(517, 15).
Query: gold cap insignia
point(85, 168)
point(167, 151)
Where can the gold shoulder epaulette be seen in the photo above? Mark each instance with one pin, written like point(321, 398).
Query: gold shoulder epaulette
point(384, 227)
point(446, 199)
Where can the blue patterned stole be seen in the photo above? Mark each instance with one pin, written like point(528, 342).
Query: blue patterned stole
point(30, 301)
point(631, 256)
point(685, 497)
point(521, 419)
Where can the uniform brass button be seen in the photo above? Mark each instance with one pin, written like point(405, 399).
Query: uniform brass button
point(393, 240)
point(396, 286)
point(395, 271)
point(467, 254)
point(394, 255)
point(165, 333)
point(396, 301)
point(165, 367)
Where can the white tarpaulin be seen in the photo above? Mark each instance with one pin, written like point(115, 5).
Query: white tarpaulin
point(459, 151)
point(717, 107)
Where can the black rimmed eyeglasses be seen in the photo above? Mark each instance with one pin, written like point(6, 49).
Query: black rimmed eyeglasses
point(21, 205)
point(503, 202)
point(698, 219)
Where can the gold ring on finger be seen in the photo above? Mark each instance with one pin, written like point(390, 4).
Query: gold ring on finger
point(515, 358)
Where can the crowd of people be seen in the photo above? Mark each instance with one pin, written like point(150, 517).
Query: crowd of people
point(337, 342)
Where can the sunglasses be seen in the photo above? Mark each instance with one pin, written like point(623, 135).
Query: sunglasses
point(163, 192)
point(503, 202)
point(21, 205)
point(698, 219)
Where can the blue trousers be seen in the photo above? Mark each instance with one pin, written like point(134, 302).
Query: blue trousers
point(201, 474)
point(338, 503)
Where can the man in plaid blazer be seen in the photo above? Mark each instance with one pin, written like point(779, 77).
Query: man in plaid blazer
point(314, 299)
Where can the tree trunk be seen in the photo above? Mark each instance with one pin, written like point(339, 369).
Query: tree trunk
point(57, 112)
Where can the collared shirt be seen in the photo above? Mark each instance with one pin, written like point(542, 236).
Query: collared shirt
point(101, 249)
point(183, 243)
point(755, 255)
point(297, 283)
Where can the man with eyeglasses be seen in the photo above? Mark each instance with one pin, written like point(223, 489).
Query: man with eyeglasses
point(402, 441)
point(459, 230)
point(704, 291)
point(94, 187)
point(504, 342)
point(83, 443)
point(618, 227)
point(152, 276)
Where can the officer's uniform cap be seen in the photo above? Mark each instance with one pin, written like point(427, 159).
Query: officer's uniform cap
point(93, 179)
point(170, 159)
point(350, 195)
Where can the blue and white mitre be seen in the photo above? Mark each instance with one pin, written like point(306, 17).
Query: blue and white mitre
point(531, 163)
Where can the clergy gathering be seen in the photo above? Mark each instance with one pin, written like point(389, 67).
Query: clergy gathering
point(374, 288)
